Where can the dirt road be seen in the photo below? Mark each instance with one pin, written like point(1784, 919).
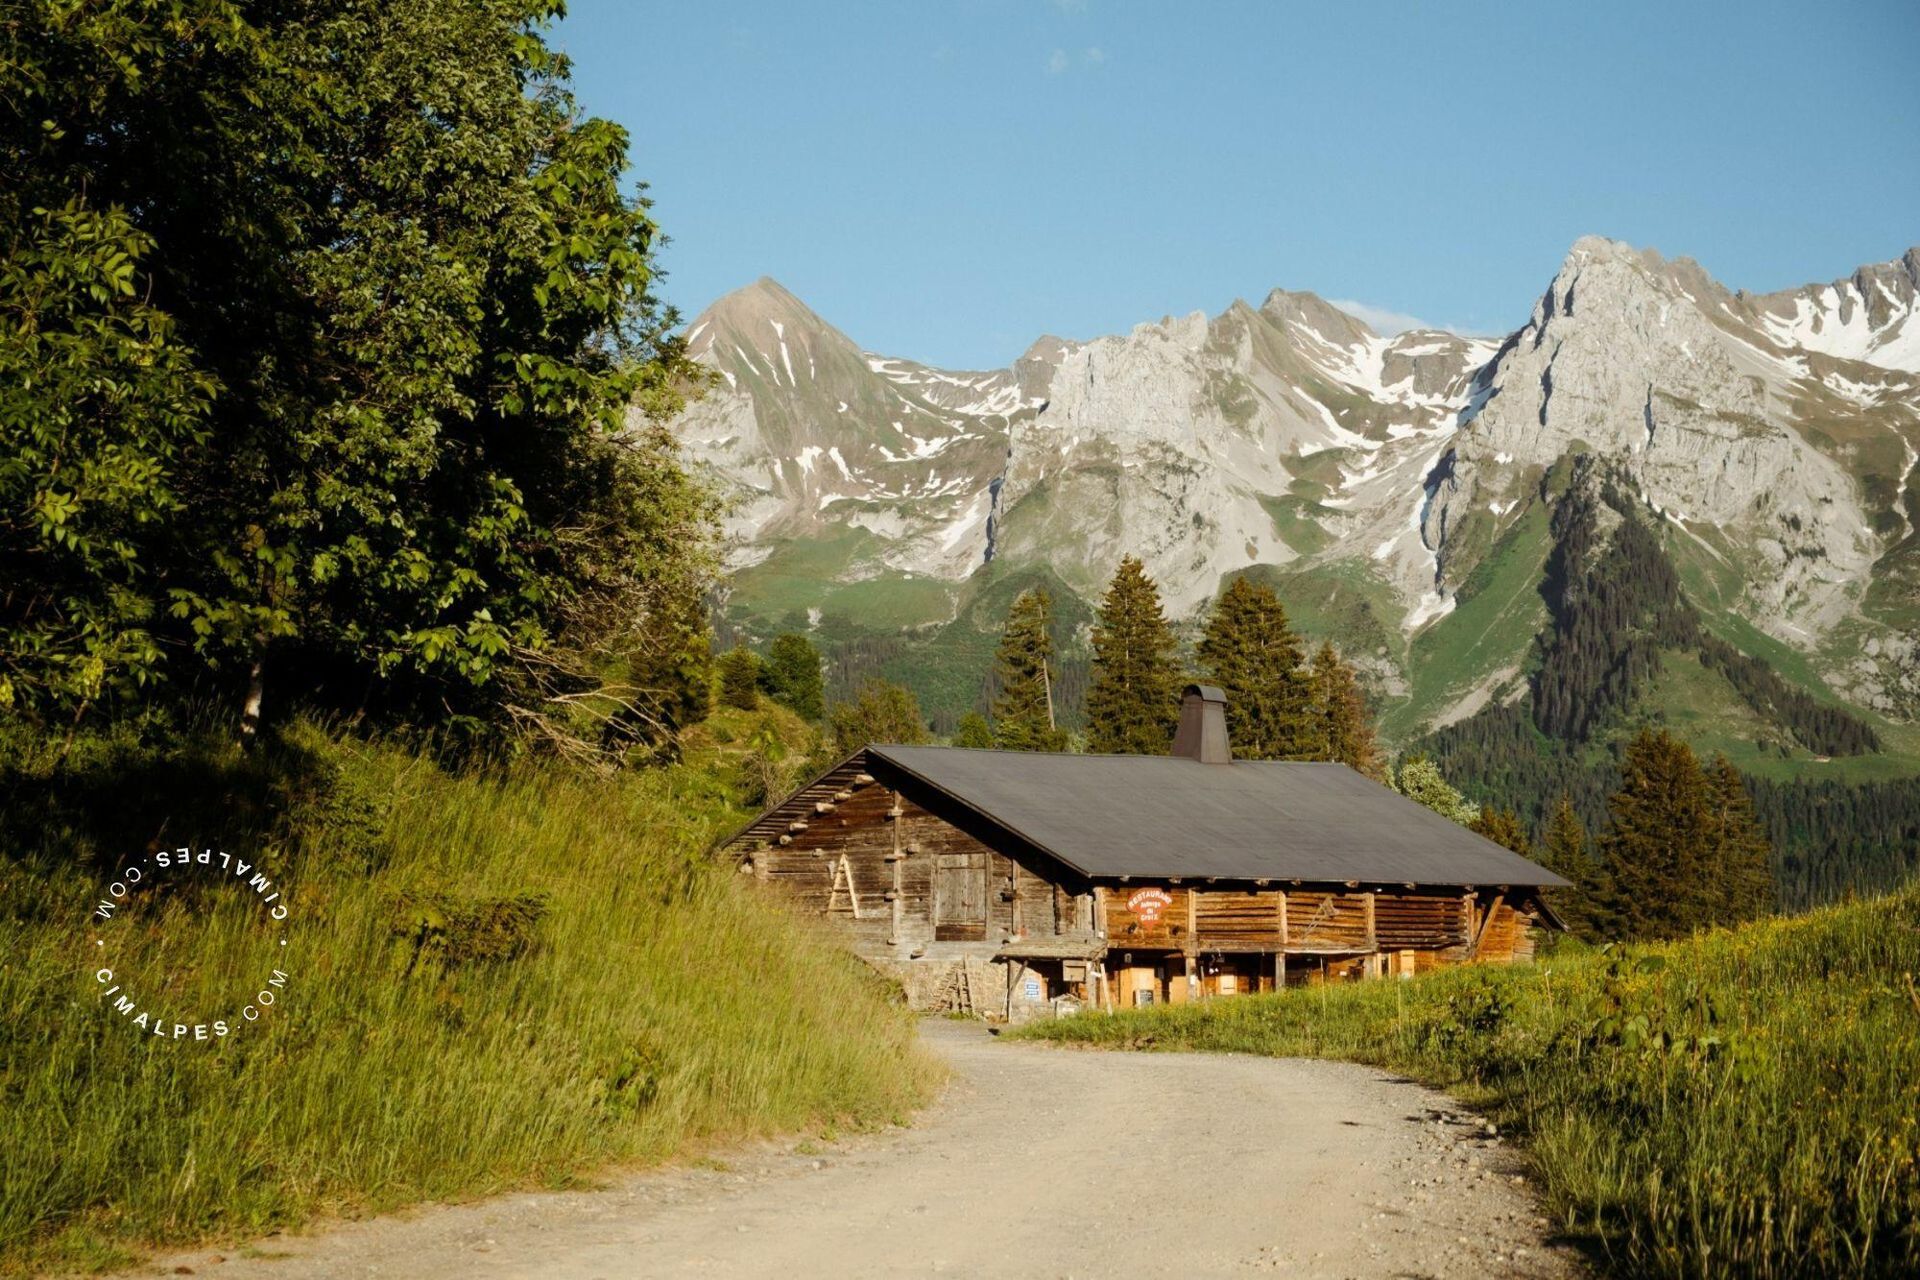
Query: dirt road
point(1038, 1162)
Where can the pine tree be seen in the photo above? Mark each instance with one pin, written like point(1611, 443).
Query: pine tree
point(1251, 652)
point(1566, 853)
point(1742, 855)
point(1420, 781)
point(883, 712)
point(1503, 827)
point(1133, 703)
point(793, 675)
point(1660, 840)
point(973, 731)
point(740, 678)
point(1023, 713)
point(1342, 729)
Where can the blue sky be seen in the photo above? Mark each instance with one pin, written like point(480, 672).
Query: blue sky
point(949, 180)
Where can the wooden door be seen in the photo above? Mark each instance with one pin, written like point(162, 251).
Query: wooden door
point(960, 897)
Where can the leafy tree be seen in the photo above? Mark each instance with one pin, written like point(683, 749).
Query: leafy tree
point(883, 712)
point(1742, 854)
point(98, 399)
point(1420, 781)
point(793, 677)
point(1023, 713)
point(1252, 653)
point(740, 678)
point(1660, 841)
point(973, 731)
point(1341, 727)
point(1133, 703)
point(398, 308)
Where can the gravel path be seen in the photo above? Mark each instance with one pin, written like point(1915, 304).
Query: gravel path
point(1037, 1162)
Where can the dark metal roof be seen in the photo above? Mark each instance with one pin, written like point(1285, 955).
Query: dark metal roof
point(1165, 816)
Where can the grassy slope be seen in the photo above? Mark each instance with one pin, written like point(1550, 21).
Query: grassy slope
point(1742, 1103)
point(1492, 627)
point(660, 1003)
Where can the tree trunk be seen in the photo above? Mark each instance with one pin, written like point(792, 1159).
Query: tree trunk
point(250, 709)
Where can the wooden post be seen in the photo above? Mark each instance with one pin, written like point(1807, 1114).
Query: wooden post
point(1373, 937)
point(899, 898)
point(1284, 939)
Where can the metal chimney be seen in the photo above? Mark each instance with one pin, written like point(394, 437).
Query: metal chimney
point(1202, 734)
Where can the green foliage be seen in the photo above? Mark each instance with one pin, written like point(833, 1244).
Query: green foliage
point(1566, 851)
point(1251, 652)
point(544, 977)
point(1502, 826)
point(98, 399)
point(1739, 1104)
point(1741, 854)
point(973, 731)
point(1339, 726)
point(793, 675)
point(882, 712)
point(1682, 848)
point(1657, 842)
point(1133, 702)
point(1023, 718)
point(1420, 780)
point(740, 678)
point(366, 427)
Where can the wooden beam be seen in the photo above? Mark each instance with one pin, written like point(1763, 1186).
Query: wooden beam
point(1193, 935)
point(1373, 936)
point(1284, 939)
point(1486, 922)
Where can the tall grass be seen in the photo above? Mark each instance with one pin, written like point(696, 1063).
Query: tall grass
point(491, 982)
point(1746, 1103)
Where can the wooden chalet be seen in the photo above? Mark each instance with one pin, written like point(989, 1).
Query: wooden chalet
point(1013, 883)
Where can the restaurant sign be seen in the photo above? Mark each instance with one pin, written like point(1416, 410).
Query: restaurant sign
point(1149, 904)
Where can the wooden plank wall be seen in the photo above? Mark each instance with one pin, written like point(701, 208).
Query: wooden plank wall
point(858, 825)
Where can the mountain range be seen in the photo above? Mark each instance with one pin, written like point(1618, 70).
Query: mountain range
point(1397, 488)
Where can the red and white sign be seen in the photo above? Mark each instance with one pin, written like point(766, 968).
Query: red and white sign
point(1148, 904)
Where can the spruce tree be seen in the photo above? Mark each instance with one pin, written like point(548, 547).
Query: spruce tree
point(1342, 730)
point(1503, 827)
point(1660, 841)
point(740, 678)
point(1743, 856)
point(1566, 853)
point(1133, 702)
point(793, 675)
point(973, 731)
point(1251, 652)
point(1023, 713)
